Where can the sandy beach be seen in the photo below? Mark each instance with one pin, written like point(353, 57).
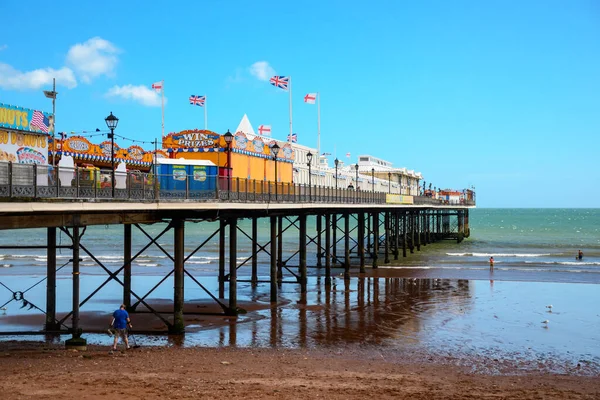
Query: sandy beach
point(40, 371)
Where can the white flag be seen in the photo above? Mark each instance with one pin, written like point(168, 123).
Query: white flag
point(157, 86)
point(310, 98)
point(264, 130)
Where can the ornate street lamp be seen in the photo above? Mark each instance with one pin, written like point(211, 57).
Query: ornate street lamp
point(336, 161)
point(275, 151)
point(228, 137)
point(373, 180)
point(389, 182)
point(356, 170)
point(112, 122)
point(309, 157)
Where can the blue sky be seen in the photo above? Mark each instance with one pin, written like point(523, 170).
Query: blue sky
point(503, 95)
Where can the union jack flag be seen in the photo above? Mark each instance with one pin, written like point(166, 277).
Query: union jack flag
point(40, 121)
point(281, 82)
point(292, 138)
point(197, 100)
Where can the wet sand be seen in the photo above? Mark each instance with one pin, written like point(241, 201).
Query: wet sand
point(40, 371)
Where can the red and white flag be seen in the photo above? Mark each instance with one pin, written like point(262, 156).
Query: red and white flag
point(310, 98)
point(157, 86)
point(264, 130)
point(348, 155)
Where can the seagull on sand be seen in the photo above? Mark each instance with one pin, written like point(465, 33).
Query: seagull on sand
point(549, 306)
point(545, 323)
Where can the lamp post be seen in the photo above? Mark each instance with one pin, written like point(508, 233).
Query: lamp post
point(373, 180)
point(228, 137)
point(309, 157)
point(356, 171)
point(389, 182)
point(274, 151)
point(111, 122)
point(336, 161)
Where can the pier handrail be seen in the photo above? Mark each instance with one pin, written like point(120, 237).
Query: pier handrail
point(39, 182)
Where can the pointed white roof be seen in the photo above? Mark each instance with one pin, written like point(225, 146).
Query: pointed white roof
point(245, 126)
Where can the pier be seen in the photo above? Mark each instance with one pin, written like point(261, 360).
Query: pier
point(354, 230)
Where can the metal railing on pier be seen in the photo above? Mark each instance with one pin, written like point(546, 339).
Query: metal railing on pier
point(31, 181)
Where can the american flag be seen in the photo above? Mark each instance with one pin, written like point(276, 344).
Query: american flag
point(40, 121)
point(326, 154)
point(292, 138)
point(281, 82)
point(310, 98)
point(264, 130)
point(197, 100)
point(157, 86)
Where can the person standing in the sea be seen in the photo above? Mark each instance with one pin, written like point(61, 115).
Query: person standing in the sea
point(491, 263)
point(580, 254)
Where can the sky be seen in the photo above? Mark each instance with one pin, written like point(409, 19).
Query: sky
point(500, 95)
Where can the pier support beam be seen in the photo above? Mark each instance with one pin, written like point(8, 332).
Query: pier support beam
point(232, 309)
point(396, 235)
point(273, 274)
point(418, 229)
point(222, 225)
point(254, 277)
point(411, 215)
point(178, 326)
point(76, 342)
point(280, 250)
point(334, 220)
point(51, 324)
point(127, 266)
point(302, 252)
point(375, 240)
point(327, 249)
point(319, 219)
point(361, 241)
point(346, 246)
point(386, 243)
point(404, 235)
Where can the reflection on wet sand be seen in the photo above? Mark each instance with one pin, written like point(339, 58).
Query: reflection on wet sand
point(363, 310)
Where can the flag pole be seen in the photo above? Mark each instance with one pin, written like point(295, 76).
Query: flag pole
point(205, 113)
point(319, 132)
point(163, 107)
point(291, 130)
point(54, 119)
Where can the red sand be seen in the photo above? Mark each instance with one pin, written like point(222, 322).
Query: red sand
point(34, 370)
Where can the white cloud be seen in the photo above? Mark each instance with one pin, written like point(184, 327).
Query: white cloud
point(262, 70)
point(11, 78)
point(142, 94)
point(3, 47)
point(93, 58)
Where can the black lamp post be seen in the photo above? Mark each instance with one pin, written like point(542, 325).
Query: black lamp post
point(373, 180)
point(309, 157)
point(275, 151)
point(111, 122)
point(336, 161)
point(356, 170)
point(389, 182)
point(228, 137)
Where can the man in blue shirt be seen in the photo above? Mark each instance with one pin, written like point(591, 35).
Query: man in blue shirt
point(119, 323)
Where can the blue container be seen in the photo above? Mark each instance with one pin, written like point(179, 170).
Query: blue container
point(201, 177)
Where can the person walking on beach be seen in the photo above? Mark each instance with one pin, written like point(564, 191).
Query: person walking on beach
point(119, 323)
point(491, 263)
point(580, 255)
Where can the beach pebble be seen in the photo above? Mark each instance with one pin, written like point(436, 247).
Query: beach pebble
point(225, 362)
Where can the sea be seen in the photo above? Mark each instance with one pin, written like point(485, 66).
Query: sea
point(538, 307)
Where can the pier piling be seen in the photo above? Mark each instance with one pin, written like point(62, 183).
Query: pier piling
point(178, 326)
